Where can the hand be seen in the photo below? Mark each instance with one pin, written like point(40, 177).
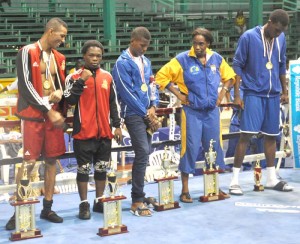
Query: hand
point(56, 118)
point(238, 101)
point(284, 98)
point(151, 113)
point(118, 135)
point(183, 98)
point(85, 74)
point(55, 96)
point(154, 123)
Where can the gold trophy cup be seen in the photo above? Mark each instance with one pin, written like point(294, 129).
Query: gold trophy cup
point(211, 177)
point(112, 208)
point(257, 177)
point(166, 186)
point(25, 210)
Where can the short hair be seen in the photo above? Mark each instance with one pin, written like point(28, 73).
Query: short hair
point(205, 33)
point(55, 23)
point(91, 43)
point(140, 32)
point(281, 16)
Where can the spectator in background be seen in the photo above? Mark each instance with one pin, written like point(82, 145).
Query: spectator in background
point(132, 74)
point(41, 76)
point(260, 62)
point(240, 22)
point(92, 90)
point(198, 73)
point(78, 65)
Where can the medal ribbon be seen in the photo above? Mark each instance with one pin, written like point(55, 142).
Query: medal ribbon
point(141, 67)
point(48, 62)
point(268, 47)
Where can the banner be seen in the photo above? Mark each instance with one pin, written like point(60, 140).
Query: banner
point(294, 95)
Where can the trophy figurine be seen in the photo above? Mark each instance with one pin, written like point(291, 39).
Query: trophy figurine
point(257, 177)
point(211, 177)
point(112, 209)
point(25, 210)
point(166, 186)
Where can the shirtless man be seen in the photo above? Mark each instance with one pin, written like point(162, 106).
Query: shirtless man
point(41, 76)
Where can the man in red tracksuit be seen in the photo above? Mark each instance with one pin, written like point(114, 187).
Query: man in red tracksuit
point(41, 75)
point(92, 91)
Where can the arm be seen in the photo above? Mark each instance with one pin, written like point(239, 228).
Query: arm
point(115, 113)
point(284, 95)
point(228, 79)
point(75, 85)
point(25, 84)
point(172, 73)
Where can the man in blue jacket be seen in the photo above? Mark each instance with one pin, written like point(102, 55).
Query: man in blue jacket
point(260, 63)
point(132, 74)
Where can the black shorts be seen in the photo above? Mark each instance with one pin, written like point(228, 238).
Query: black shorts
point(92, 151)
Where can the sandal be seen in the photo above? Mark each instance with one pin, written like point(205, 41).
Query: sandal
point(140, 211)
point(235, 190)
point(150, 201)
point(280, 186)
point(224, 194)
point(186, 197)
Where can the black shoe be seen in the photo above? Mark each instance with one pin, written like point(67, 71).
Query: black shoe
point(11, 224)
point(51, 216)
point(84, 210)
point(98, 207)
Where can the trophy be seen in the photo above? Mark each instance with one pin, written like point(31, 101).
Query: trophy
point(257, 177)
point(211, 177)
point(112, 210)
point(25, 210)
point(166, 186)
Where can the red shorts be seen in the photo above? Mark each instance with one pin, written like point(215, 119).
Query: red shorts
point(41, 138)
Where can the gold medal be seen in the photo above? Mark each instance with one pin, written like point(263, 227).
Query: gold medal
point(269, 65)
point(46, 85)
point(144, 87)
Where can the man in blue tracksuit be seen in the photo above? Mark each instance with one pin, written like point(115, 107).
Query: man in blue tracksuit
point(132, 74)
point(260, 63)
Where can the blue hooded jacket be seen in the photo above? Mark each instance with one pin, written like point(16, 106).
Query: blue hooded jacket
point(128, 81)
point(250, 64)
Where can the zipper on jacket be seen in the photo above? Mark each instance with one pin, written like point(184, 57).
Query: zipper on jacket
point(97, 121)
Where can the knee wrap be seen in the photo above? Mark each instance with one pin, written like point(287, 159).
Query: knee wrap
point(101, 166)
point(83, 172)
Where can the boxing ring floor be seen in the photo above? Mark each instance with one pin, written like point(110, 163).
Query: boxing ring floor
point(256, 217)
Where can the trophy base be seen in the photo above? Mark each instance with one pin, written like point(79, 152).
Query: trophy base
point(167, 206)
point(166, 178)
point(112, 230)
point(18, 236)
point(211, 198)
point(111, 199)
point(258, 188)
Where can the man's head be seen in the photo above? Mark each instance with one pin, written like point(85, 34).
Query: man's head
point(277, 23)
point(55, 32)
point(140, 40)
point(92, 52)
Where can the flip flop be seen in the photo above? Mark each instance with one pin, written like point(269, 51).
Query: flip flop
point(235, 190)
point(280, 186)
point(185, 197)
point(225, 195)
point(150, 201)
point(139, 211)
